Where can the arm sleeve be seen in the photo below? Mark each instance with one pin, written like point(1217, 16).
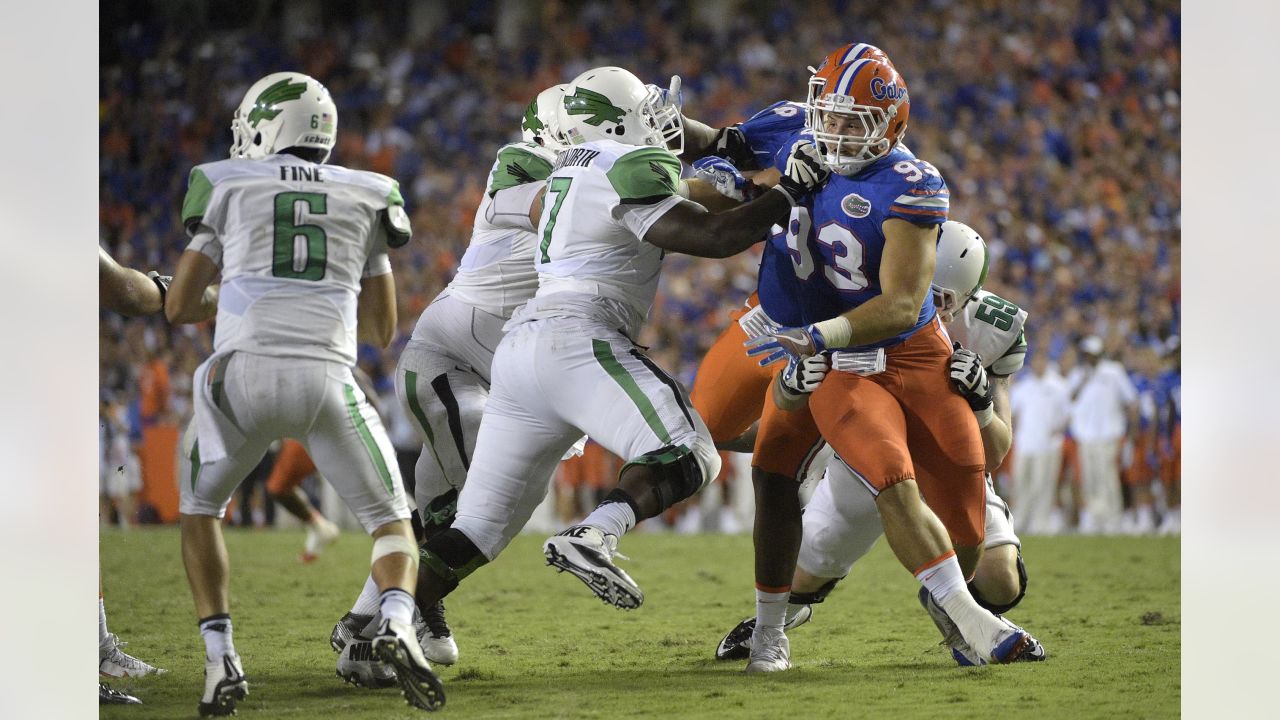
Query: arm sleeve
point(509, 208)
point(378, 262)
point(923, 202)
point(645, 182)
point(206, 241)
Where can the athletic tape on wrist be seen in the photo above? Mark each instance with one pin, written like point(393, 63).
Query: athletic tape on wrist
point(392, 544)
point(835, 332)
point(985, 416)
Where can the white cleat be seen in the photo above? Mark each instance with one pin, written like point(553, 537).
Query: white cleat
point(770, 652)
point(358, 665)
point(114, 662)
point(435, 637)
point(961, 650)
point(588, 554)
point(224, 685)
point(321, 533)
point(397, 645)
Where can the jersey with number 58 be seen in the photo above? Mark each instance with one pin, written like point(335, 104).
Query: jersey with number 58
point(293, 239)
point(993, 328)
point(602, 197)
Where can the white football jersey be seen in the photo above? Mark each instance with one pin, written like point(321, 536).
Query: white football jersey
point(496, 273)
point(601, 199)
point(992, 327)
point(293, 240)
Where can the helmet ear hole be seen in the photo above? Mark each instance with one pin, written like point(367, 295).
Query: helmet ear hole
point(619, 130)
point(257, 138)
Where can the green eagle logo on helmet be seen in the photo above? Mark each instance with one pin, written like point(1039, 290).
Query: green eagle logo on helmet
point(531, 121)
point(589, 102)
point(264, 106)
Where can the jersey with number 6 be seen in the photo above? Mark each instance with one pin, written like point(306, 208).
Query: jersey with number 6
point(293, 239)
point(602, 197)
point(993, 328)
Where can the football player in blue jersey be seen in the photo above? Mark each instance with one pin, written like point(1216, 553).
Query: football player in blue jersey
point(863, 254)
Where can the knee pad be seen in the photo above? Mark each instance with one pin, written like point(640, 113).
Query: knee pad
point(817, 596)
point(451, 555)
point(1001, 609)
point(677, 471)
point(392, 545)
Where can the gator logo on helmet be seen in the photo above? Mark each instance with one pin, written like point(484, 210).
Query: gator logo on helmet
point(264, 107)
point(531, 121)
point(590, 102)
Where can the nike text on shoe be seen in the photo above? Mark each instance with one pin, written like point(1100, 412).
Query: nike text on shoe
point(961, 650)
point(358, 665)
point(588, 554)
point(114, 662)
point(110, 696)
point(737, 644)
point(349, 627)
point(770, 652)
point(397, 646)
point(435, 637)
point(224, 684)
point(1017, 646)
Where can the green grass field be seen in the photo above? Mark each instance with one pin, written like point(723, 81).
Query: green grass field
point(536, 644)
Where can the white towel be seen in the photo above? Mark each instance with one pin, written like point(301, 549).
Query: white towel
point(217, 434)
point(577, 450)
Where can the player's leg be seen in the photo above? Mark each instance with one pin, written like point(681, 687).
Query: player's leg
point(608, 388)
point(291, 467)
point(349, 445)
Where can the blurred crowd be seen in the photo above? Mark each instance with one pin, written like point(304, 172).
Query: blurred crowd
point(1055, 122)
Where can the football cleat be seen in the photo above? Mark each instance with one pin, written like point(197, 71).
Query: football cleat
point(358, 665)
point(737, 644)
point(398, 647)
point(435, 637)
point(1017, 646)
point(350, 627)
point(321, 533)
point(110, 696)
point(224, 685)
point(770, 652)
point(588, 554)
point(961, 650)
point(114, 662)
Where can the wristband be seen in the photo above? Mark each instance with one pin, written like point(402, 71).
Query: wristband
point(682, 189)
point(835, 332)
point(985, 416)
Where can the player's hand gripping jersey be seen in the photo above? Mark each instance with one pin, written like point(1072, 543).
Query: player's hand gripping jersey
point(293, 240)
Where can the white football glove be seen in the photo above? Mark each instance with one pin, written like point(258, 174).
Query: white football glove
point(722, 175)
point(670, 96)
point(970, 378)
point(162, 282)
point(802, 376)
point(805, 172)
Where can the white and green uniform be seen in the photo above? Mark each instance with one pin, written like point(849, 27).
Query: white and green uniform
point(567, 366)
point(841, 522)
point(443, 376)
point(293, 240)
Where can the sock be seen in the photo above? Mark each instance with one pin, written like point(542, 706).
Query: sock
point(771, 607)
point(612, 517)
point(216, 630)
point(944, 581)
point(367, 603)
point(104, 637)
point(397, 605)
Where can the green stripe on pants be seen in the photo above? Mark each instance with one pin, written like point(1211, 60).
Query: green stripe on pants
point(363, 429)
point(604, 356)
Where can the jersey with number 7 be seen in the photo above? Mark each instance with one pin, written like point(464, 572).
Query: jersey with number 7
point(293, 239)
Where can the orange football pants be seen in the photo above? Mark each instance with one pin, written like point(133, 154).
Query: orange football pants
point(902, 424)
point(293, 465)
point(730, 388)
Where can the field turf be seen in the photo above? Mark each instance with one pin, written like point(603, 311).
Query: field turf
point(535, 644)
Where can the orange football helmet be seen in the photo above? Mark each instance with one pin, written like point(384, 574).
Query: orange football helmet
point(851, 52)
point(857, 112)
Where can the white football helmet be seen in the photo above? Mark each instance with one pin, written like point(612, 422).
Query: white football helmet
point(283, 110)
point(609, 103)
point(960, 270)
point(541, 123)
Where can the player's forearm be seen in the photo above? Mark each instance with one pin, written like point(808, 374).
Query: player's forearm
point(785, 399)
point(737, 229)
point(881, 317)
point(997, 438)
point(706, 195)
point(127, 291)
point(181, 309)
point(699, 139)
